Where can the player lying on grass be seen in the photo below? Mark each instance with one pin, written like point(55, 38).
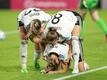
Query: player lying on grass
point(68, 26)
point(56, 61)
point(91, 6)
point(56, 54)
point(31, 21)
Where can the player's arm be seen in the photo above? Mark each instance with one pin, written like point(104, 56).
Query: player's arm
point(20, 19)
point(23, 34)
point(21, 25)
point(63, 68)
point(69, 53)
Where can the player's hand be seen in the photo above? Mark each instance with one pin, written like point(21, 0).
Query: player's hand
point(68, 59)
point(43, 71)
point(51, 72)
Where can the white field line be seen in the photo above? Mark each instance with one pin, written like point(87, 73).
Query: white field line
point(74, 75)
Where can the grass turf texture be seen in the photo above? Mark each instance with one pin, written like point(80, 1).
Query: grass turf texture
point(95, 50)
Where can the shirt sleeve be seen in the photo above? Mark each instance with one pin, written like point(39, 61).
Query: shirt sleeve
point(20, 16)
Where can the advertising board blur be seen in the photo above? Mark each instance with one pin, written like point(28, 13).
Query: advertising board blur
point(44, 4)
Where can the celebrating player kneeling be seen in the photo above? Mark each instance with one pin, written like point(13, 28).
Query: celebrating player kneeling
point(31, 24)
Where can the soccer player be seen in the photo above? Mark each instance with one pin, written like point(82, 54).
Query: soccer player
point(30, 22)
point(57, 55)
point(68, 27)
point(91, 6)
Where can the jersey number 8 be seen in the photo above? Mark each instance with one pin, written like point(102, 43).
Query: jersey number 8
point(56, 18)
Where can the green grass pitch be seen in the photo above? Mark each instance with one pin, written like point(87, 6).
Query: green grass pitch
point(95, 50)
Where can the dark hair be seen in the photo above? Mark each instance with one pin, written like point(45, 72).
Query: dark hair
point(54, 53)
point(52, 62)
point(52, 35)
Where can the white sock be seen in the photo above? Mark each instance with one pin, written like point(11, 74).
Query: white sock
point(76, 59)
point(76, 52)
point(23, 51)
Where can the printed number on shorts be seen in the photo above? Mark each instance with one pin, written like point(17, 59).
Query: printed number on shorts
point(56, 18)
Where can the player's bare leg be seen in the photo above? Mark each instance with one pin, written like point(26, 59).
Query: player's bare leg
point(37, 56)
point(38, 50)
point(100, 22)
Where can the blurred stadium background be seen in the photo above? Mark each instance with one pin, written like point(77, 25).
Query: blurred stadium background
point(95, 48)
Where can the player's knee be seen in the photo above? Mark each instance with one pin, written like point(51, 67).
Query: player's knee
point(77, 30)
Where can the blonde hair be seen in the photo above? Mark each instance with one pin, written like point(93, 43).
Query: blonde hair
point(35, 25)
point(34, 30)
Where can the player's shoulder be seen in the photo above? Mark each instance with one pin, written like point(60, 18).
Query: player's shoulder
point(65, 11)
point(74, 12)
point(68, 12)
point(20, 15)
point(34, 9)
point(29, 9)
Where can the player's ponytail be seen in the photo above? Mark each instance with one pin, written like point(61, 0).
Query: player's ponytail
point(35, 26)
point(34, 30)
point(52, 35)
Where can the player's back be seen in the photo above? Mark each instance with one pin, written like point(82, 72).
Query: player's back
point(33, 13)
point(64, 21)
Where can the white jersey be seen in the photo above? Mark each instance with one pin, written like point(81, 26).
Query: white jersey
point(64, 22)
point(27, 15)
point(60, 49)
